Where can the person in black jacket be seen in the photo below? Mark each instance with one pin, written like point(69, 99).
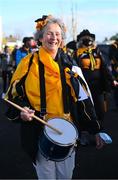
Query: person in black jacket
point(95, 70)
point(6, 65)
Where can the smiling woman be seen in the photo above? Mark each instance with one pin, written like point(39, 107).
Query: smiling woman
point(44, 96)
point(49, 84)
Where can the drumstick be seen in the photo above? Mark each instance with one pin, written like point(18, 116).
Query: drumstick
point(37, 118)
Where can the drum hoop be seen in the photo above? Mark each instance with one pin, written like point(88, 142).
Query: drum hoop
point(57, 143)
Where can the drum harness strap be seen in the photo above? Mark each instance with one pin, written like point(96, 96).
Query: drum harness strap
point(43, 89)
point(65, 90)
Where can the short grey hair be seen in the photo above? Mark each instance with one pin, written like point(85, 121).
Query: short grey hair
point(39, 33)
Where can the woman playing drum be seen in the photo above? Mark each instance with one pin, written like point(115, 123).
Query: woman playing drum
point(50, 85)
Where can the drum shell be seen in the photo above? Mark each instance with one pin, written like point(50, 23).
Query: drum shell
point(57, 147)
point(53, 151)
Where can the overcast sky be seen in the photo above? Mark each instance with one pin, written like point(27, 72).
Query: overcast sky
point(98, 16)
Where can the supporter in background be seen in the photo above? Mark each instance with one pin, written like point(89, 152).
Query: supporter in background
point(13, 55)
point(71, 48)
point(33, 45)
point(96, 72)
point(6, 64)
point(24, 50)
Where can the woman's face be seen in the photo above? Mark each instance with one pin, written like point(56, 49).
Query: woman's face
point(52, 38)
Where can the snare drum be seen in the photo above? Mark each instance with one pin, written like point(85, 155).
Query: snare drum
point(58, 147)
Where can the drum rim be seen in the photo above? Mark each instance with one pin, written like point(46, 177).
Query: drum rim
point(60, 144)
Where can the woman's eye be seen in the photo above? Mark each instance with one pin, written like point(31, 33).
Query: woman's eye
point(49, 33)
point(57, 34)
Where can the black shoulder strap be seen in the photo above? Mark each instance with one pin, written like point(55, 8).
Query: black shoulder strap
point(42, 89)
point(64, 86)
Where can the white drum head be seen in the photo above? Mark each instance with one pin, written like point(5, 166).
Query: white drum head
point(69, 132)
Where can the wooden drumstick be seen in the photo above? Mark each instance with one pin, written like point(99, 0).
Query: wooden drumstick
point(37, 118)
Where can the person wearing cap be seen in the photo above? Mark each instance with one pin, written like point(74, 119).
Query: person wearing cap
point(96, 72)
point(48, 84)
point(6, 65)
point(71, 48)
point(24, 50)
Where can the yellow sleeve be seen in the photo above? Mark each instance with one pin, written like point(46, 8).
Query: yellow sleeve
point(20, 71)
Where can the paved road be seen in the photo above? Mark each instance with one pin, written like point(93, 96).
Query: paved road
point(91, 163)
point(100, 164)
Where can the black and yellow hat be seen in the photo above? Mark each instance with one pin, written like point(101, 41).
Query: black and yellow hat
point(41, 19)
point(85, 32)
point(41, 22)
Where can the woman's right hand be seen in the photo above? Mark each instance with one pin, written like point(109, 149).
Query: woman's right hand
point(99, 141)
point(27, 115)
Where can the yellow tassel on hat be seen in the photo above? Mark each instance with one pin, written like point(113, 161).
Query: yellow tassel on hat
point(41, 22)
